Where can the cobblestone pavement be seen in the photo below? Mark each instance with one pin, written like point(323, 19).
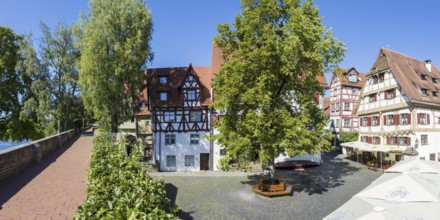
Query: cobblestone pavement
point(317, 192)
point(51, 189)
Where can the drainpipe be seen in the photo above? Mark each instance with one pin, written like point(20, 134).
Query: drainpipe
point(160, 149)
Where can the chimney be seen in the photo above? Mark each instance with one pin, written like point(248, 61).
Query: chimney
point(428, 65)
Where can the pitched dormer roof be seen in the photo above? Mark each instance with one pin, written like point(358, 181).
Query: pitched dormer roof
point(408, 73)
point(360, 80)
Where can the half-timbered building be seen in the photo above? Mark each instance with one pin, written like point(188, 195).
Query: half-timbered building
point(344, 93)
point(179, 100)
point(399, 109)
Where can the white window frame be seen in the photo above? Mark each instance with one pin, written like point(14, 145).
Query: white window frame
point(170, 139)
point(194, 139)
point(347, 104)
point(189, 160)
point(346, 123)
point(390, 120)
point(171, 161)
point(403, 140)
point(393, 140)
point(195, 116)
point(403, 119)
point(423, 120)
point(191, 95)
point(375, 122)
point(169, 116)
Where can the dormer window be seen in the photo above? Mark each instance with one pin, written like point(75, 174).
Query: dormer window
point(390, 94)
point(375, 79)
point(434, 80)
point(163, 80)
point(164, 96)
point(434, 93)
point(352, 78)
point(424, 92)
point(423, 77)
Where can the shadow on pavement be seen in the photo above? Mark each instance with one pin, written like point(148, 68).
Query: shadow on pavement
point(10, 186)
point(314, 180)
point(171, 193)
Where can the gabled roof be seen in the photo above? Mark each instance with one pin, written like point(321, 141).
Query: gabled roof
point(142, 97)
point(407, 71)
point(175, 78)
point(343, 79)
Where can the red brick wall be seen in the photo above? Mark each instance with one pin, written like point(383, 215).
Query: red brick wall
point(14, 159)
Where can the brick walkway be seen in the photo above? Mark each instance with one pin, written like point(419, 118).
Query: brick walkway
point(51, 189)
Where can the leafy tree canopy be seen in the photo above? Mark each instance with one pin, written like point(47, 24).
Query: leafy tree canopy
point(273, 53)
point(115, 45)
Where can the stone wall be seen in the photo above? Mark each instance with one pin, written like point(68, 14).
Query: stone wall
point(15, 159)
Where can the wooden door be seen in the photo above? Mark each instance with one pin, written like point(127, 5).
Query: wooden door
point(204, 161)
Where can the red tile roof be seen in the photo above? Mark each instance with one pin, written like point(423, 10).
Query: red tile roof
point(176, 76)
point(408, 71)
point(344, 79)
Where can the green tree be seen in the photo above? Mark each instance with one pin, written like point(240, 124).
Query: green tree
point(15, 88)
point(115, 45)
point(348, 137)
point(273, 53)
point(54, 80)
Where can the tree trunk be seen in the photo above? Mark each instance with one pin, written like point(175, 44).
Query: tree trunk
point(272, 171)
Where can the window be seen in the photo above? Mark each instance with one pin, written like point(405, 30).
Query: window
point(422, 119)
point(337, 123)
point(190, 78)
point(163, 80)
point(364, 139)
point(347, 106)
point(390, 94)
point(346, 122)
point(381, 77)
point(169, 116)
point(393, 140)
point(434, 80)
point(333, 106)
point(352, 78)
point(390, 120)
point(372, 97)
point(192, 95)
point(375, 121)
point(171, 160)
point(424, 92)
point(403, 140)
point(194, 139)
point(432, 157)
point(222, 152)
point(365, 121)
point(434, 93)
point(170, 139)
point(422, 158)
point(354, 91)
point(438, 120)
point(195, 116)
point(424, 139)
point(164, 96)
point(375, 79)
point(423, 77)
point(189, 160)
point(438, 157)
point(404, 118)
point(376, 140)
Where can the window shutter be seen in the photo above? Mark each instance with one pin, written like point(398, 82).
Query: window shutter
point(409, 118)
point(418, 118)
point(370, 140)
point(362, 124)
point(384, 120)
point(398, 140)
point(394, 93)
point(396, 119)
point(369, 121)
point(408, 141)
point(386, 94)
point(388, 140)
point(427, 117)
point(378, 140)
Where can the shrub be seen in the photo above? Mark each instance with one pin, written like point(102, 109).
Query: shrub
point(348, 137)
point(119, 187)
point(224, 163)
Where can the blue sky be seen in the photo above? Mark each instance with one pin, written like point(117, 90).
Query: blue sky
point(183, 30)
